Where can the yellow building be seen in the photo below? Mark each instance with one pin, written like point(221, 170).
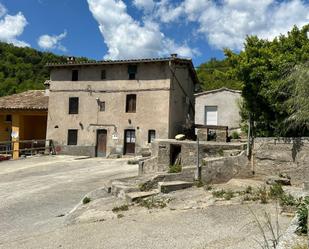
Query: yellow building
point(23, 117)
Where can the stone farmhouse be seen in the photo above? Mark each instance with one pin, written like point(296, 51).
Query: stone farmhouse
point(108, 108)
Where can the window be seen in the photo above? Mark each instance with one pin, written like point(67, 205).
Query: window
point(103, 75)
point(74, 75)
point(72, 137)
point(73, 105)
point(131, 103)
point(8, 118)
point(132, 70)
point(102, 106)
point(211, 115)
point(151, 136)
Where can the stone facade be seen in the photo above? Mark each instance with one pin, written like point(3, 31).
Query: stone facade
point(274, 156)
point(226, 101)
point(164, 91)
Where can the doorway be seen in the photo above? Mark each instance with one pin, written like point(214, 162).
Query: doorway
point(129, 142)
point(101, 143)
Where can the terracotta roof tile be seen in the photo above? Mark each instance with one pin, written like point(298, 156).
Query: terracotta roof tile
point(29, 100)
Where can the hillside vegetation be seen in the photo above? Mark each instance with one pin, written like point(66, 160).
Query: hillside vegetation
point(215, 74)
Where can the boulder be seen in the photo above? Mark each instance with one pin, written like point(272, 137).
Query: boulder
point(278, 180)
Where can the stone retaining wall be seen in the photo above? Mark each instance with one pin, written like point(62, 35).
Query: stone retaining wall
point(272, 156)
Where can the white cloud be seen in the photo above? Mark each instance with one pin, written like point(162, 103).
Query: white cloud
point(226, 23)
point(49, 42)
point(128, 38)
point(11, 27)
point(2, 10)
point(146, 5)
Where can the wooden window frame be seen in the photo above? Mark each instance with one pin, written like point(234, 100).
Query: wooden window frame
point(72, 109)
point(73, 141)
point(131, 103)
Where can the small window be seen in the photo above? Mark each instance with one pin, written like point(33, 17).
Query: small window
point(103, 75)
point(102, 106)
point(131, 103)
point(132, 70)
point(8, 118)
point(74, 75)
point(72, 137)
point(151, 136)
point(73, 105)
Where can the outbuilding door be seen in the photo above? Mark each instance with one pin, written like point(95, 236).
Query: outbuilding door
point(211, 115)
point(101, 143)
point(129, 142)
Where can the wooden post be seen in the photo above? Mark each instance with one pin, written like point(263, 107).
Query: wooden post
point(15, 131)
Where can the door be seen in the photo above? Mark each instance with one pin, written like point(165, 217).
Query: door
point(129, 142)
point(211, 115)
point(101, 143)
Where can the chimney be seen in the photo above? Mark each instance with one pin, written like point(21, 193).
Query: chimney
point(71, 59)
point(174, 55)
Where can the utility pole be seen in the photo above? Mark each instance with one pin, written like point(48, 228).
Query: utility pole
point(198, 175)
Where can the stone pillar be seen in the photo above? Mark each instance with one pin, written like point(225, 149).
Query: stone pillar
point(16, 133)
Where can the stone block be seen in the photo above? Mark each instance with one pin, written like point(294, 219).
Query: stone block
point(135, 196)
point(166, 187)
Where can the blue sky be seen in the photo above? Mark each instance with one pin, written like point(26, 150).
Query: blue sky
point(145, 28)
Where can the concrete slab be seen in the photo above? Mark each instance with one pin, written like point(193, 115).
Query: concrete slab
point(134, 196)
point(166, 187)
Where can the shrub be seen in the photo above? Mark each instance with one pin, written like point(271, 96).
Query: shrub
point(120, 208)
point(175, 168)
point(199, 183)
point(249, 190)
point(86, 200)
point(302, 213)
point(235, 135)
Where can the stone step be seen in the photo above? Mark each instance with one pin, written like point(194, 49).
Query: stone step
point(119, 188)
point(166, 187)
point(134, 196)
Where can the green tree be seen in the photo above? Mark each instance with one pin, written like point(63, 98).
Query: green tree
point(263, 67)
point(215, 74)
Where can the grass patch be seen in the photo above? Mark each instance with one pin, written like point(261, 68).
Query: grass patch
point(86, 200)
point(119, 216)
point(175, 169)
point(120, 208)
point(302, 213)
point(199, 183)
point(227, 195)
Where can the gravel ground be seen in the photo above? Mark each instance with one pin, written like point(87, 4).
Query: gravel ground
point(33, 192)
point(216, 227)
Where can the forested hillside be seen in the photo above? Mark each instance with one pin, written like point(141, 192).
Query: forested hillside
point(23, 68)
point(215, 74)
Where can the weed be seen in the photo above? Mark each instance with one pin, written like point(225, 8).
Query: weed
point(119, 216)
point(302, 213)
point(86, 200)
point(175, 168)
point(235, 135)
point(208, 187)
point(146, 186)
point(132, 161)
point(268, 228)
point(199, 183)
point(229, 195)
point(249, 190)
point(153, 202)
point(276, 191)
point(218, 193)
point(120, 208)
point(221, 152)
point(300, 246)
point(263, 195)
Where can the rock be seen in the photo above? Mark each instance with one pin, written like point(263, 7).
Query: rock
point(180, 137)
point(166, 187)
point(278, 180)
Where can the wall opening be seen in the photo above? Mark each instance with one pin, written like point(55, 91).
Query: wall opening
point(175, 154)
